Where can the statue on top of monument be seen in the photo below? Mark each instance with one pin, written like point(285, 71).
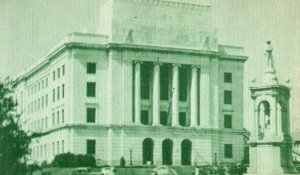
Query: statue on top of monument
point(269, 50)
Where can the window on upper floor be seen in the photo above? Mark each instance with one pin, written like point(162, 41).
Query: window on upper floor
point(91, 68)
point(163, 118)
point(58, 72)
point(227, 77)
point(46, 100)
point(58, 93)
point(182, 119)
point(227, 97)
point(53, 95)
point(145, 80)
point(91, 89)
point(62, 116)
point(90, 115)
point(53, 75)
point(144, 117)
point(46, 82)
point(91, 146)
point(63, 91)
point(228, 121)
point(53, 119)
point(63, 70)
point(183, 76)
point(165, 77)
point(58, 118)
point(228, 151)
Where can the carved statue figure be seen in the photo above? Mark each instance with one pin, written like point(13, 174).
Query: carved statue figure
point(269, 50)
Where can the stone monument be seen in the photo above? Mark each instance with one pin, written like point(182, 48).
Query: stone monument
point(270, 141)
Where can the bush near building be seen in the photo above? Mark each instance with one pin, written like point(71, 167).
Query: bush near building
point(72, 160)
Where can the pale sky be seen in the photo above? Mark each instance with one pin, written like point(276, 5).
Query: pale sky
point(28, 29)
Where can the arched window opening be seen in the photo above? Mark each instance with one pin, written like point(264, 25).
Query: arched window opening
point(186, 152)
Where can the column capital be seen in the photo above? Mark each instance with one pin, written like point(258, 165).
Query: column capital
point(138, 62)
point(157, 63)
point(176, 65)
point(195, 66)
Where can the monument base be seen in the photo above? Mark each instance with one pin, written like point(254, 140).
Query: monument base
point(271, 159)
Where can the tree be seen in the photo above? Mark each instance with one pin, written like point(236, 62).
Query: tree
point(14, 141)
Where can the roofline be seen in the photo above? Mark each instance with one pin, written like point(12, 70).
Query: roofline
point(58, 49)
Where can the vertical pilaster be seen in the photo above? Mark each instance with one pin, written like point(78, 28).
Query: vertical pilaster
point(194, 96)
point(204, 97)
point(137, 92)
point(156, 94)
point(175, 96)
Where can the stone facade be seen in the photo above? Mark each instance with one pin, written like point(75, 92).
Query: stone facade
point(180, 118)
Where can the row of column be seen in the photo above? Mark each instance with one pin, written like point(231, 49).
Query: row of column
point(204, 120)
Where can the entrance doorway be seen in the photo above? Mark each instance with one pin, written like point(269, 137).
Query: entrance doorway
point(148, 145)
point(186, 152)
point(167, 151)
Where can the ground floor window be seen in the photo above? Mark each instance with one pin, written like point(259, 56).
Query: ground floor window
point(228, 151)
point(91, 146)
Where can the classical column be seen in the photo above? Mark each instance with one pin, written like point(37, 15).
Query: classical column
point(137, 92)
point(156, 94)
point(194, 96)
point(204, 97)
point(175, 95)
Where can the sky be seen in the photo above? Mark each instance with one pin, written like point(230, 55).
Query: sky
point(29, 28)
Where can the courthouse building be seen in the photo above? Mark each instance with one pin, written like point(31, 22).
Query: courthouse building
point(152, 85)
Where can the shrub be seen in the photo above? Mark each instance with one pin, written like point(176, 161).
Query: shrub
point(72, 160)
point(122, 161)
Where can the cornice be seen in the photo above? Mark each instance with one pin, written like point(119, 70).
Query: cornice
point(168, 3)
point(125, 46)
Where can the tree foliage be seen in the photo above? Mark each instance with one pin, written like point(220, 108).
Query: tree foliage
point(14, 141)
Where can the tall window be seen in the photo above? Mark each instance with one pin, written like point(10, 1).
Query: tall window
point(58, 93)
point(145, 80)
point(46, 82)
point(62, 116)
point(57, 117)
point(46, 100)
point(46, 122)
point(228, 151)
point(183, 83)
point(62, 146)
point(227, 77)
point(91, 89)
point(53, 95)
point(227, 121)
point(90, 115)
point(91, 68)
point(91, 146)
point(58, 72)
point(165, 72)
point(53, 119)
point(227, 97)
point(63, 70)
point(53, 75)
point(63, 91)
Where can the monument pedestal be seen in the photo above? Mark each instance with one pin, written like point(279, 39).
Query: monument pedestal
point(271, 158)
